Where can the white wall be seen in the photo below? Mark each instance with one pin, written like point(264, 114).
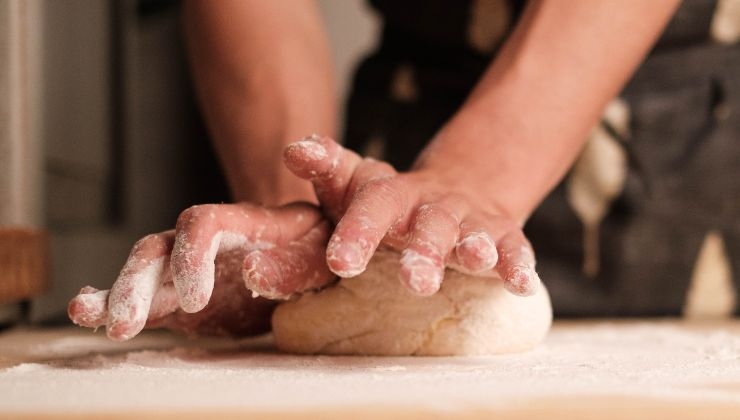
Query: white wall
point(353, 29)
point(20, 143)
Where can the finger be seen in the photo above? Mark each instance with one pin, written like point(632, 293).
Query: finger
point(475, 251)
point(374, 209)
point(329, 166)
point(131, 296)
point(164, 305)
point(517, 264)
point(203, 231)
point(278, 273)
point(433, 235)
point(89, 308)
point(335, 172)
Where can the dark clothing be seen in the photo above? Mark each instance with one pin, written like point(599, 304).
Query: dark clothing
point(428, 37)
point(684, 148)
point(683, 181)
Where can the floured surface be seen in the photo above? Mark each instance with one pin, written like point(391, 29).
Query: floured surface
point(70, 369)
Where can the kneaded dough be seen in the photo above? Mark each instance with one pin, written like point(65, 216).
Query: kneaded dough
point(374, 314)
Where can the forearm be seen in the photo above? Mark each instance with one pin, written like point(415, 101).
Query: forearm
point(527, 119)
point(262, 71)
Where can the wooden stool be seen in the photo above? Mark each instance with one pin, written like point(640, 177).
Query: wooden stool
point(24, 263)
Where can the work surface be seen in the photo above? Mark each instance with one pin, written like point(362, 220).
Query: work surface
point(609, 369)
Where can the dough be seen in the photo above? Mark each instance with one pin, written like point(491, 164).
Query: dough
point(374, 314)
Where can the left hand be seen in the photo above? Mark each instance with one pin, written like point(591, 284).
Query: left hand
point(199, 278)
point(433, 223)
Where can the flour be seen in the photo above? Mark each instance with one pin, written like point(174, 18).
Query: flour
point(75, 369)
point(423, 274)
point(134, 300)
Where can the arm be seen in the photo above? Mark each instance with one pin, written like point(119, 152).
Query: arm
point(528, 117)
point(471, 190)
point(262, 71)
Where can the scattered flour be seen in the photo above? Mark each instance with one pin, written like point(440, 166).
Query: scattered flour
point(71, 369)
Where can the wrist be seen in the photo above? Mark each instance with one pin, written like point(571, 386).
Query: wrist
point(471, 157)
point(272, 188)
point(447, 181)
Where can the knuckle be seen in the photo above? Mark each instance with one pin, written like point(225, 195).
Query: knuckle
point(382, 169)
point(187, 215)
point(435, 213)
point(504, 224)
point(194, 214)
point(388, 189)
point(383, 185)
point(149, 243)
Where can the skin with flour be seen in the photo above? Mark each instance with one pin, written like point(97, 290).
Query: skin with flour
point(274, 252)
point(372, 204)
point(163, 267)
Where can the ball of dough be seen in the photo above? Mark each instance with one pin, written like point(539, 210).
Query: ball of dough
point(374, 314)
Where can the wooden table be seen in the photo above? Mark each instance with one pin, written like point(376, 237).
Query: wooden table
point(589, 369)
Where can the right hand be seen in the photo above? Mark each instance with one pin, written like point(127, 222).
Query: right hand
point(195, 278)
point(433, 224)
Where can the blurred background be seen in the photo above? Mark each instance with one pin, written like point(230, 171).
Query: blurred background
point(116, 148)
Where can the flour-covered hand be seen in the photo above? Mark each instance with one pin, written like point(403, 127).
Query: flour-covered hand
point(433, 223)
point(204, 277)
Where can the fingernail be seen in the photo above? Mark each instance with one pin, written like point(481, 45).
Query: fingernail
point(122, 331)
point(420, 273)
point(88, 310)
point(262, 276)
point(345, 259)
point(522, 281)
point(310, 149)
point(481, 247)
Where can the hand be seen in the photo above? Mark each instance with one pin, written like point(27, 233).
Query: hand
point(432, 223)
point(193, 278)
